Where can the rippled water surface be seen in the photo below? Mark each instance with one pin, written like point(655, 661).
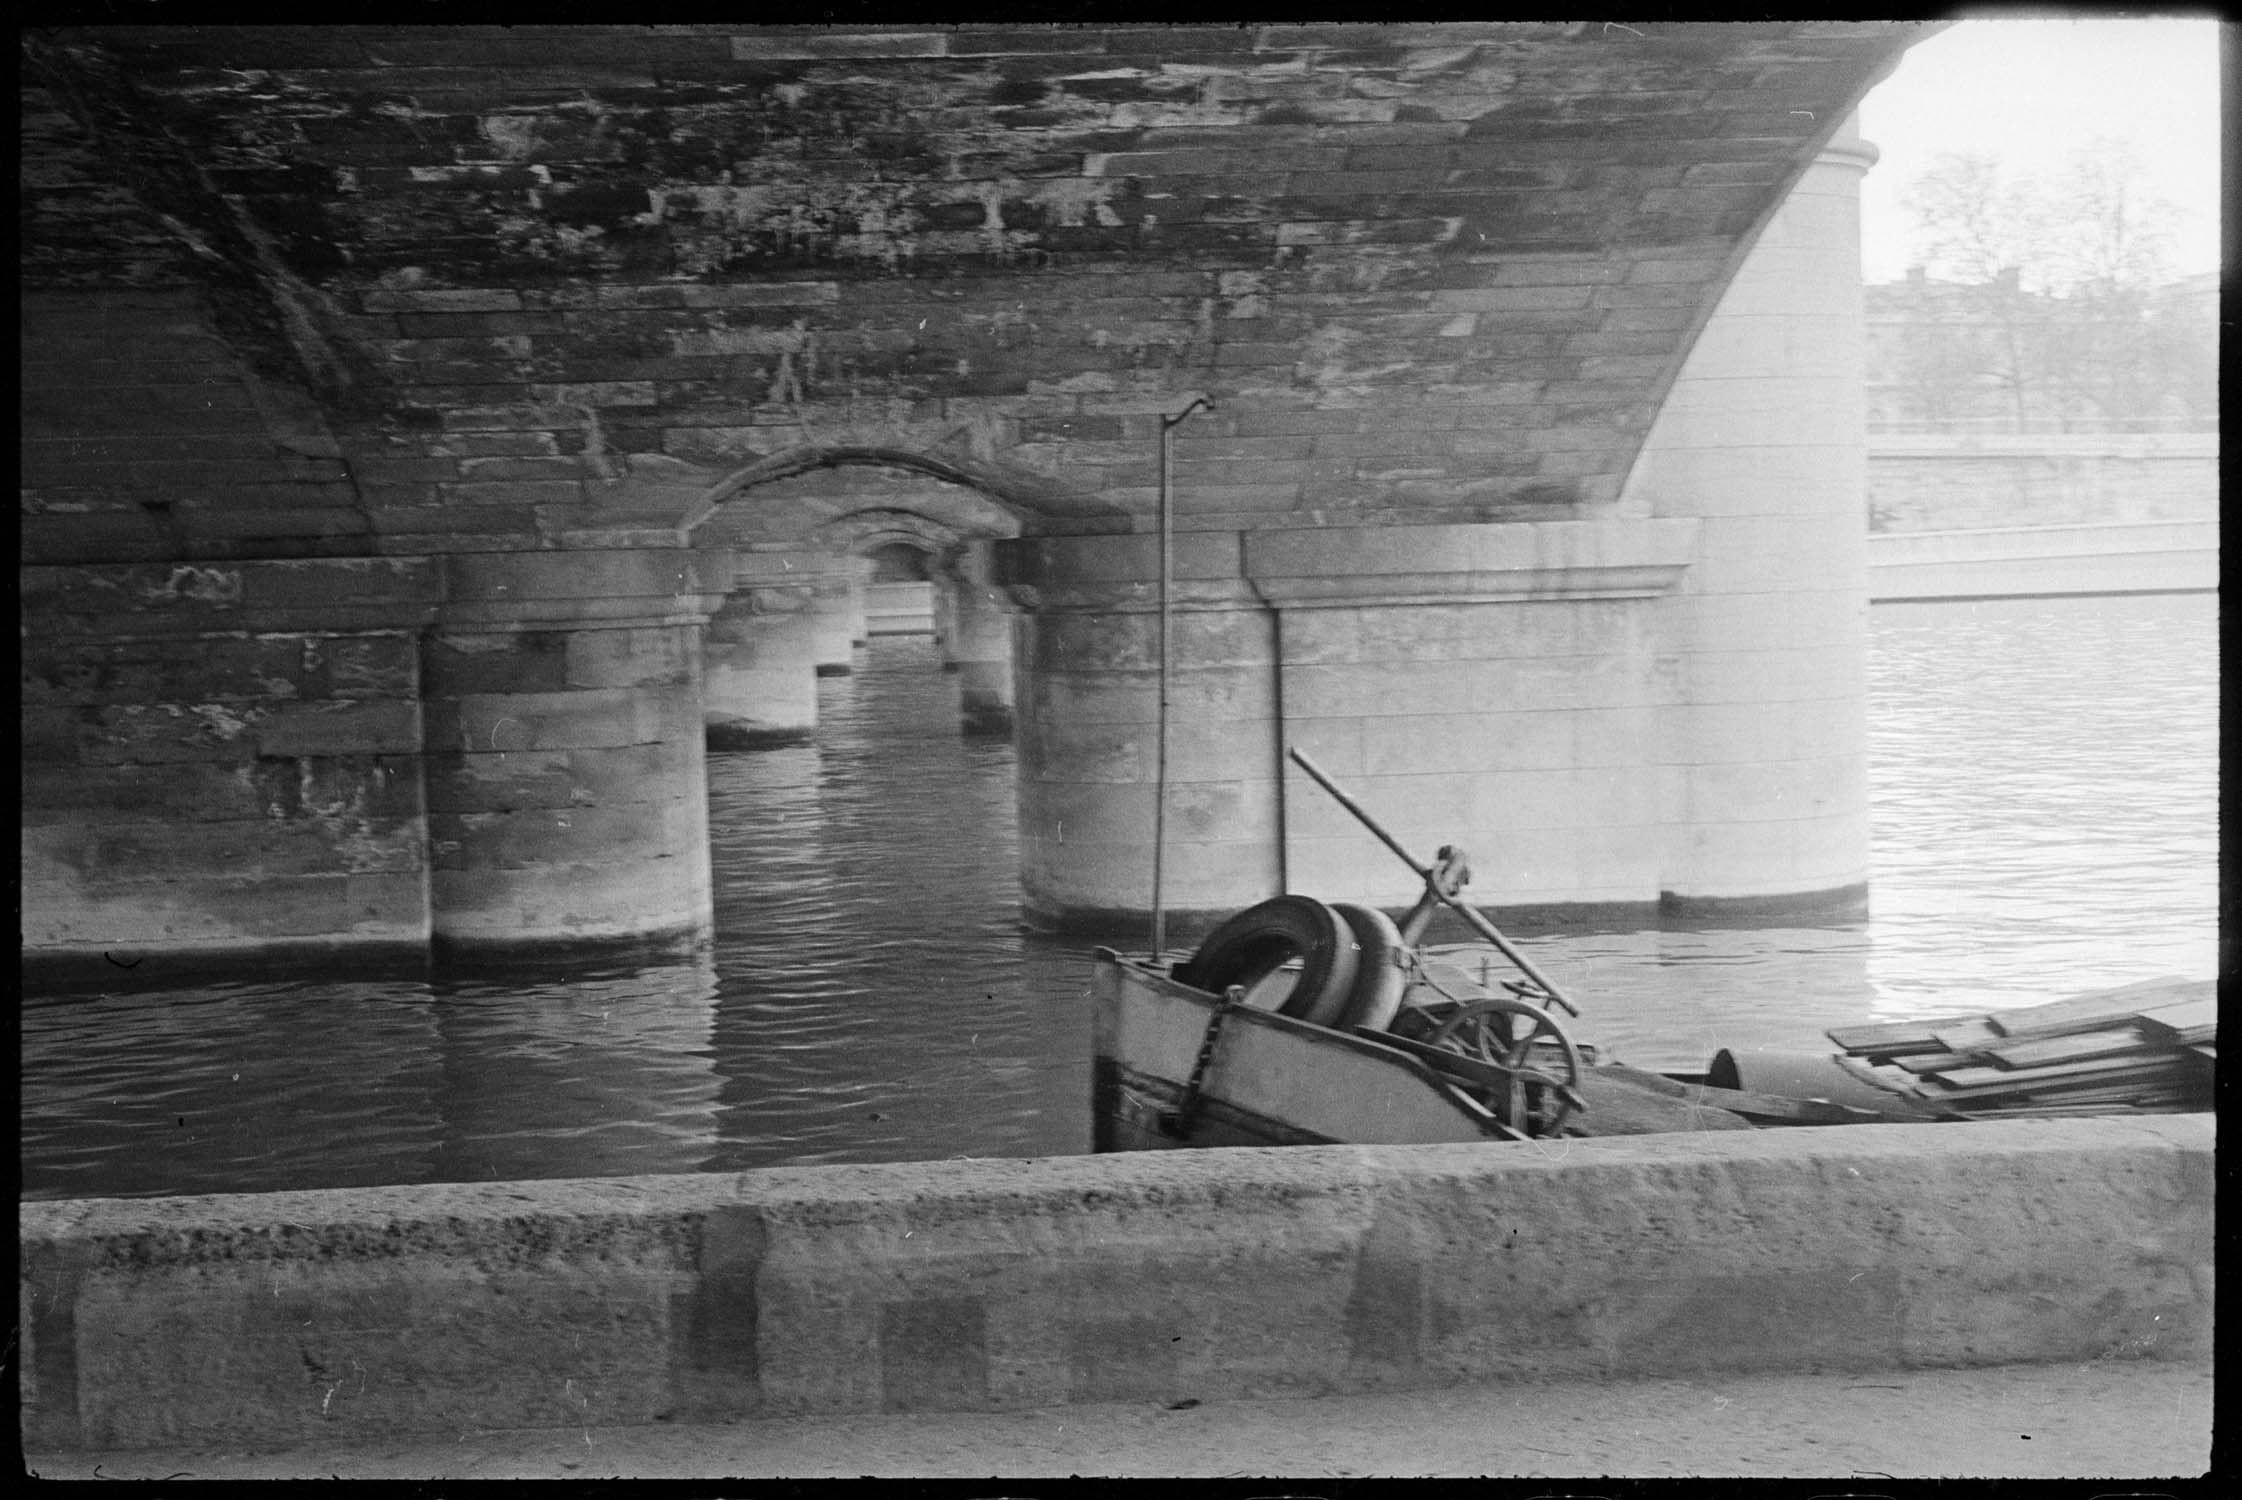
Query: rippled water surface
point(2045, 798)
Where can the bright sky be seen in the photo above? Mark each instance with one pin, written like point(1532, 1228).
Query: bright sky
point(2031, 92)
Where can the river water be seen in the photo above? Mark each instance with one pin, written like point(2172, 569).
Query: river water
point(2045, 791)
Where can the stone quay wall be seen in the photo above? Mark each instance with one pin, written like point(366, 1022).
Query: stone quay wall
point(970, 1286)
point(1938, 482)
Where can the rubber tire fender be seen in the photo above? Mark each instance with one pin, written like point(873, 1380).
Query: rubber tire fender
point(1262, 937)
point(1379, 975)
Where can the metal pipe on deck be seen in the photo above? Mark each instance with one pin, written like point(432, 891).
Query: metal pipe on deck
point(1478, 919)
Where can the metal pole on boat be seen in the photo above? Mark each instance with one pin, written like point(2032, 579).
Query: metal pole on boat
point(1471, 914)
point(1160, 752)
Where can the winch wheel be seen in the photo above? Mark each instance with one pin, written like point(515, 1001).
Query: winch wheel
point(1528, 1044)
point(1261, 939)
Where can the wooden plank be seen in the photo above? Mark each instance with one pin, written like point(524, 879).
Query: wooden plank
point(2090, 1012)
point(2078, 1047)
point(1896, 1037)
point(2162, 1083)
point(2189, 1021)
point(1868, 1075)
point(2080, 1028)
point(1968, 1037)
point(2067, 1075)
point(2077, 1013)
point(1936, 1062)
point(2099, 1069)
point(1978, 1083)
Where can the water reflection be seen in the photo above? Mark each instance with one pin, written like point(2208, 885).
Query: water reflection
point(2044, 778)
point(248, 1087)
point(1673, 998)
point(882, 1003)
point(2045, 797)
point(609, 1075)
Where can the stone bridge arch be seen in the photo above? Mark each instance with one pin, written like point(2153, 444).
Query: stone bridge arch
point(1440, 281)
point(972, 617)
point(1033, 499)
point(795, 610)
point(860, 531)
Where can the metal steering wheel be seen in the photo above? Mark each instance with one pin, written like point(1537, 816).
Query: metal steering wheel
point(1526, 1043)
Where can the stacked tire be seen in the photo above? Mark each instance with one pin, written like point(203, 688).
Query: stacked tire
point(1352, 960)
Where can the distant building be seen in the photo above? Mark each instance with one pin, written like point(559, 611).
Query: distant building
point(1955, 357)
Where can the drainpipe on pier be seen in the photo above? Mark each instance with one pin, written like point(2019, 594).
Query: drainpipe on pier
point(1278, 724)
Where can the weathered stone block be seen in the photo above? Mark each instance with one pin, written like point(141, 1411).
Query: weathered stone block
point(760, 45)
point(526, 493)
point(569, 579)
point(527, 661)
point(590, 719)
point(648, 656)
point(430, 527)
point(339, 727)
point(112, 855)
point(410, 584)
point(440, 299)
point(385, 911)
point(372, 786)
point(351, 1350)
point(157, 733)
point(365, 666)
point(547, 904)
point(461, 782)
point(530, 837)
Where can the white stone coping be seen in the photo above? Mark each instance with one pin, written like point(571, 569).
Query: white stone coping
point(2098, 538)
point(2142, 445)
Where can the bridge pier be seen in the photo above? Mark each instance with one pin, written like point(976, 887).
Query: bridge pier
point(223, 759)
point(1088, 741)
point(1662, 707)
point(761, 652)
point(568, 790)
point(973, 625)
point(836, 621)
point(1762, 442)
point(1491, 685)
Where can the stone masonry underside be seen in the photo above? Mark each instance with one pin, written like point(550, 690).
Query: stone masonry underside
point(1429, 273)
point(402, 404)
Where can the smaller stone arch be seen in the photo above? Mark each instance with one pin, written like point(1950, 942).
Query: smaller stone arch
point(949, 521)
point(948, 570)
point(900, 562)
point(1028, 496)
point(969, 617)
point(856, 533)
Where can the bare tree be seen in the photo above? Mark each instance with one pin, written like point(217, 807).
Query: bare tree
point(1969, 222)
point(2042, 295)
